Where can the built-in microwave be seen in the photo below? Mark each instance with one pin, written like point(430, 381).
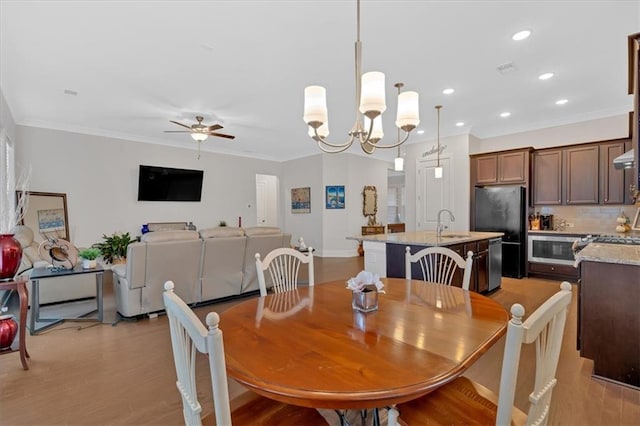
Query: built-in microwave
point(552, 249)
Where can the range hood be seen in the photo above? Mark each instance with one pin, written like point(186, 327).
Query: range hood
point(625, 161)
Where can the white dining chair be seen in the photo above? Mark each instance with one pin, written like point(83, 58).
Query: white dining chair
point(439, 265)
point(463, 401)
point(189, 336)
point(283, 265)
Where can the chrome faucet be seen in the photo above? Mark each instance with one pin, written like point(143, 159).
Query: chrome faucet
point(440, 226)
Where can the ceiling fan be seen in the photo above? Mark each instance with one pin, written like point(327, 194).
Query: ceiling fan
point(200, 132)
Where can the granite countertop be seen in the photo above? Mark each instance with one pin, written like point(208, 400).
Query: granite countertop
point(609, 253)
point(428, 238)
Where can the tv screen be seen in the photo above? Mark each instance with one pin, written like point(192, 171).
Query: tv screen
point(167, 184)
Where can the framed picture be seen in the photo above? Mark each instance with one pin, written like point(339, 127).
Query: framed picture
point(46, 215)
point(636, 221)
point(334, 197)
point(301, 200)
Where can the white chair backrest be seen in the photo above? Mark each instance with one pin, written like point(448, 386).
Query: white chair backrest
point(189, 335)
point(283, 265)
point(545, 327)
point(439, 265)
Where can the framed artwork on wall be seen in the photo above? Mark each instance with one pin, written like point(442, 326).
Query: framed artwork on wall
point(46, 214)
point(301, 200)
point(334, 197)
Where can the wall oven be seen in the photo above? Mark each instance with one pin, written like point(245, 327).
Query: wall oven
point(552, 249)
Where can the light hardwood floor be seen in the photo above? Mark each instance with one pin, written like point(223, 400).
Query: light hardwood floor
point(96, 374)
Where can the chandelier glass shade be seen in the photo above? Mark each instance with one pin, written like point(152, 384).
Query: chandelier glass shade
point(370, 102)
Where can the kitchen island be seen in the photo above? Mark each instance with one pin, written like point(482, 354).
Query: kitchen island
point(384, 253)
point(608, 314)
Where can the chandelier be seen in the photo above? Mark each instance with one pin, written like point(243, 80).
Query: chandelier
point(370, 98)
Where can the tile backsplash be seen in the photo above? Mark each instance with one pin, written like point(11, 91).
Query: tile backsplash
point(588, 219)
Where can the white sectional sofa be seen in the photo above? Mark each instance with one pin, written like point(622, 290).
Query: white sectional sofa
point(212, 264)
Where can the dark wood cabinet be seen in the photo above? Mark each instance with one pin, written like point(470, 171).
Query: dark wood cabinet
point(612, 180)
point(609, 328)
point(479, 273)
point(581, 174)
point(508, 167)
point(554, 271)
point(547, 177)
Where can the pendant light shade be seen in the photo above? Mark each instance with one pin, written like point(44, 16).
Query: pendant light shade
point(438, 169)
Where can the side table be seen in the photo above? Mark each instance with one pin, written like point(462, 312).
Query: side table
point(38, 274)
point(19, 285)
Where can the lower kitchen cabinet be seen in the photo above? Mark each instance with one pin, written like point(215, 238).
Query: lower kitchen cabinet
point(554, 271)
point(609, 324)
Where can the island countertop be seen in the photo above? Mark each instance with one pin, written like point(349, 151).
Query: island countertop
point(428, 238)
point(609, 253)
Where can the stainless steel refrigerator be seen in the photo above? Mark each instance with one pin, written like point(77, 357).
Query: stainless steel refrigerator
point(504, 209)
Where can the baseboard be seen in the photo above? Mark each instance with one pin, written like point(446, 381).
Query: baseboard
point(337, 253)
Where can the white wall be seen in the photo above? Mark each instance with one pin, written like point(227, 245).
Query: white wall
point(100, 177)
point(616, 127)
point(6, 118)
point(457, 150)
point(301, 173)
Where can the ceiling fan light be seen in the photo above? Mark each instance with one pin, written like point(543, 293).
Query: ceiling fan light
point(408, 110)
point(315, 104)
point(200, 137)
point(372, 97)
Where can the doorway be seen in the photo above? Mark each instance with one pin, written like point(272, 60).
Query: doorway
point(432, 194)
point(267, 190)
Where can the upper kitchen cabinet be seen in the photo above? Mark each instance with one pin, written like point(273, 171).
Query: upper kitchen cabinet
point(634, 88)
point(547, 177)
point(503, 168)
point(581, 174)
point(613, 182)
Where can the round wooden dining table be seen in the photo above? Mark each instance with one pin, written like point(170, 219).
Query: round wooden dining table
point(309, 347)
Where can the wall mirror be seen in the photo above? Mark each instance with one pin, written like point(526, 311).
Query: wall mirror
point(370, 203)
point(46, 215)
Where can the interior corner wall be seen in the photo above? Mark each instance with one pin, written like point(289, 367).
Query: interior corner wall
point(6, 119)
point(457, 150)
point(100, 177)
point(302, 173)
point(616, 127)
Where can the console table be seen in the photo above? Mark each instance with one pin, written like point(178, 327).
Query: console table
point(39, 274)
point(20, 286)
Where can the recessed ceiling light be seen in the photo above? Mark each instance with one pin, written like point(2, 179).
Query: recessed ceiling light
point(545, 76)
point(420, 132)
point(505, 114)
point(561, 101)
point(448, 91)
point(460, 123)
point(521, 35)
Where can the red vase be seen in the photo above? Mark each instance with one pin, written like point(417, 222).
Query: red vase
point(8, 331)
point(10, 256)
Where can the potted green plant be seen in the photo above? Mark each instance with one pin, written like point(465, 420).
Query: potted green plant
point(114, 247)
point(89, 256)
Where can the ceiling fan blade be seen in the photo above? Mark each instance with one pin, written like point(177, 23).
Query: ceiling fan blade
point(180, 124)
point(178, 131)
point(214, 127)
point(221, 135)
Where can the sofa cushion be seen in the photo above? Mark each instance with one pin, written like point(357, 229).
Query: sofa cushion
point(221, 232)
point(169, 236)
point(262, 230)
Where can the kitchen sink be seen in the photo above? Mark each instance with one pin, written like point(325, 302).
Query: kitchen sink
point(456, 236)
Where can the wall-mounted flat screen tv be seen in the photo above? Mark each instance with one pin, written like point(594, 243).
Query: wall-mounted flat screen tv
point(167, 184)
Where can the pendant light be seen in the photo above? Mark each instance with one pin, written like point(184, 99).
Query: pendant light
point(399, 161)
point(438, 168)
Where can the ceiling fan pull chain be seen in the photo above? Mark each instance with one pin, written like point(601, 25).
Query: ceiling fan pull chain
point(199, 150)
